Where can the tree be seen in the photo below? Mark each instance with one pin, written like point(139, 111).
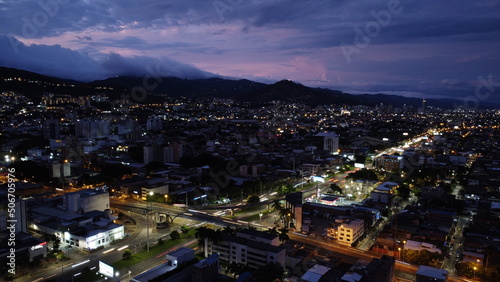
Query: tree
point(229, 230)
point(236, 268)
point(127, 254)
point(273, 231)
point(185, 229)
point(334, 189)
point(277, 205)
point(59, 255)
point(283, 235)
point(203, 233)
point(174, 235)
point(68, 248)
point(283, 214)
point(253, 199)
point(56, 243)
point(363, 174)
point(404, 190)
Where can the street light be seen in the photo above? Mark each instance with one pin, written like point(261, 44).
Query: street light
point(147, 217)
point(260, 217)
point(404, 242)
point(475, 268)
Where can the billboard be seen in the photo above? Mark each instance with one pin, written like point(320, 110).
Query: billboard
point(105, 269)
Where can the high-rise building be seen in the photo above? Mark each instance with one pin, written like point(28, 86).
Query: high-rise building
point(330, 142)
point(51, 129)
point(88, 128)
point(154, 124)
point(151, 153)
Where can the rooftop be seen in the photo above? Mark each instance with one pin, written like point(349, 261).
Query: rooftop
point(257, 233)
point(432, 272)
point(315, 273)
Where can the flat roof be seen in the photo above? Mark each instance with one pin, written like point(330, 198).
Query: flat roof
point(181, 252)
point(153, 273)
point(257, 233)
point(432, 272)
point(315, 273)
point(253, 244)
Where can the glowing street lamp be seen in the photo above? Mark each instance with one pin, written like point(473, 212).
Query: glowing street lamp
point(147, 217)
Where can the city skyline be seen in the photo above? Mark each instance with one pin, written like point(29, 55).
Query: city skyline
point(407, 48)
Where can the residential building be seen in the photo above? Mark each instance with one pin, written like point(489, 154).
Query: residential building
point(252, 252)
point(350, 232)
point(389, 162)
point(315, 273)
point(431, 274)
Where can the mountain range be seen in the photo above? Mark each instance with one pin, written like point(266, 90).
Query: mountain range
point(34, 85)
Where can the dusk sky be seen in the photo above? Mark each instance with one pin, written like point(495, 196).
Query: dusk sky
point(411, 48)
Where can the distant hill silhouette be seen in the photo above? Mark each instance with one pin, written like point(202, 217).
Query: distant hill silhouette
point(35, 85)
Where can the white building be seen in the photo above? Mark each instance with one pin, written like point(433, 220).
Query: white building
point(350, 232)
point(330, 142)
point(88, 128)
point(83, 231)
point(83, 201)
point(56, 169)
point(247, 247)
point(419, 246)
